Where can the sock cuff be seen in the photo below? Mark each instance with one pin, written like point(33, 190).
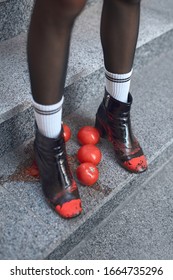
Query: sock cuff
point(118, 85)
point(114, 77)
point(49, 118)
point(47, 108)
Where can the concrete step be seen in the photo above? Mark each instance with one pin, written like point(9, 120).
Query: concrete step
point(15, 17)
point(85, 76)
point(29, 228)
point(139, 229)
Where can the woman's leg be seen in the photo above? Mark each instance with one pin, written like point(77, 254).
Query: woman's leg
point(119, 33)
point(48, 49)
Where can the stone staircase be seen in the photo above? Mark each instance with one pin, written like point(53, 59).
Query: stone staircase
point(29, 228)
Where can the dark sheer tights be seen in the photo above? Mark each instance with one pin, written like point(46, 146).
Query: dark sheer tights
point(48, 47)
point(119, 32)
point(49, 39)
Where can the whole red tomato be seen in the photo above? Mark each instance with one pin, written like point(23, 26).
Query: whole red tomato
point(67, 132)
point(88, 135)
point(87, 173)
point(89, 153)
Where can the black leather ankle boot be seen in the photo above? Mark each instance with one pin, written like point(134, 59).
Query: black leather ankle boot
point(113, 122)
point(56, 178)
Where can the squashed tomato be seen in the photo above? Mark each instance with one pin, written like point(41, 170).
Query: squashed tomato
point(87, 173)
point(33, 170)
point(67, 132)
point(89, 153)
point(88, 135)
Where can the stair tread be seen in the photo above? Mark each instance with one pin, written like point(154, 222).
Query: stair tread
point(140, 229)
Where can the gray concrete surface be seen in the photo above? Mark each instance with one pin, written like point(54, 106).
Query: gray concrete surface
point(15, 15)
point(141, 228)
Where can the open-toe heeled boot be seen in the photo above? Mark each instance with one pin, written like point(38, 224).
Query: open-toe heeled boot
point(113, 122)
point(58, 185)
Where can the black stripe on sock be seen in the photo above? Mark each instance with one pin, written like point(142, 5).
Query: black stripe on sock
point(52, 112)
point(118, 80)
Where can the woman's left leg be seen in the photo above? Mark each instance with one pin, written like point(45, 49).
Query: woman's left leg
point(119, 33)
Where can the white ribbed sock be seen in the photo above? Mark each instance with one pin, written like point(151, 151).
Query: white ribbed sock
point(49, 118)
point(118, 85)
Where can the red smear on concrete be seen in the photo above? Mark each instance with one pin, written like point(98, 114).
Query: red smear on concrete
point(33, 170)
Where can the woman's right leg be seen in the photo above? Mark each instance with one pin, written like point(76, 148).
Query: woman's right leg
point(48, 48)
